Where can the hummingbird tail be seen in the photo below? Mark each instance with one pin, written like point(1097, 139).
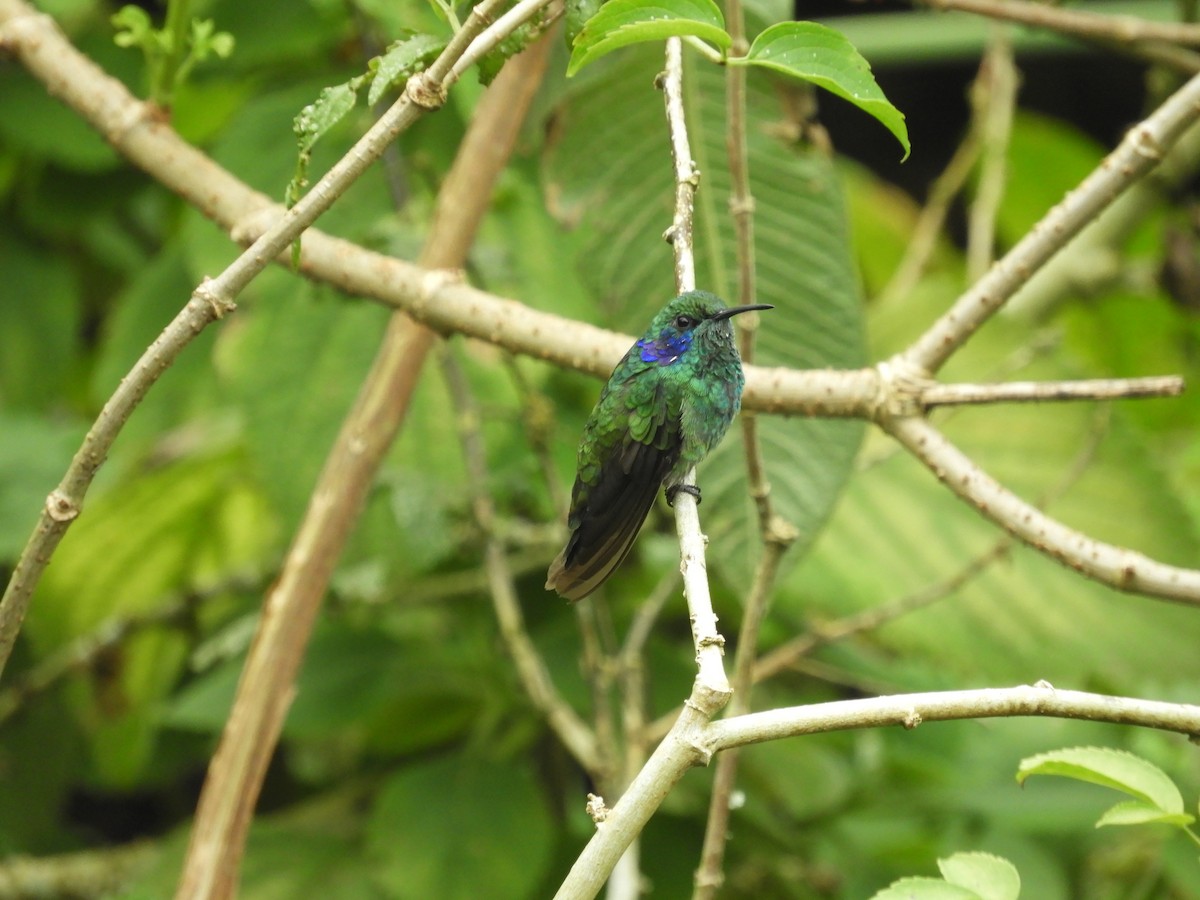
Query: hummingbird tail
point(589, 567)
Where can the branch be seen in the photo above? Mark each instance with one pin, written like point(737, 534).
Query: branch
point(1076, 23)
point(1044, 391)
point(711, 682)
point(911, 710)
point(105, 872)
point(1141, 150)
point(1123, 569)
point(994, 98)
point(617, 829)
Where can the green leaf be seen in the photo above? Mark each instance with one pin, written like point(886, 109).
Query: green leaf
point(134, 28)
point(447, 827)
point(294, 367)
point(924, 889)
point(623, 22)
point(1117, 769)
point(991, 877)
point(577, 15)
point(822, 56)
point(39, 323)
point(1138, 812)
point(33, 456)
point(332, 105)
point(402, 59)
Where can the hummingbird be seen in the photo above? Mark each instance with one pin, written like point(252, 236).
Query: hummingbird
point(668, 402)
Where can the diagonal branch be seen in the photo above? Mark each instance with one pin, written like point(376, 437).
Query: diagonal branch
point(1126, 570)
point(1142, 149)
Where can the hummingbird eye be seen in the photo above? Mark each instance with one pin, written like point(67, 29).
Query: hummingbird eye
point(684, 322)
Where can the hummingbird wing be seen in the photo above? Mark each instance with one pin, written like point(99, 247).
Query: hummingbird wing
point(614, 491)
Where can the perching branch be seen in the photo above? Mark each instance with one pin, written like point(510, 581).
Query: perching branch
point(712, 688)
point(619, 827)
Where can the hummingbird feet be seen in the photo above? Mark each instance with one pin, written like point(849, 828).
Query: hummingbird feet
point(674, 489)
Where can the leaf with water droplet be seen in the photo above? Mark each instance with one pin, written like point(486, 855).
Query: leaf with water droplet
point(402, 59)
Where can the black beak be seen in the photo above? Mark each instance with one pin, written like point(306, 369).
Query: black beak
point(736, 310)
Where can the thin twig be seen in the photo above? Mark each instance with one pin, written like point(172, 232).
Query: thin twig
point(995, 98)
point(531, 669)
point(1076, 22)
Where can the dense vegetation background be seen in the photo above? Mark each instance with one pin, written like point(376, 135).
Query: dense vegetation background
point(413, 763)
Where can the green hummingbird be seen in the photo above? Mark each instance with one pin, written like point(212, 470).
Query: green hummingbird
point(668, 402)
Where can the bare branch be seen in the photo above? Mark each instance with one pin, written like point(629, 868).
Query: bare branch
point(911, 710)
point(1118, 567)
point(1046, 391)
point(1141, 150)
point(1076, 23)
point(710, 645)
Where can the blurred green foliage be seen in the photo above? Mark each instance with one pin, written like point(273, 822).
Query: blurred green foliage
point(412, 765)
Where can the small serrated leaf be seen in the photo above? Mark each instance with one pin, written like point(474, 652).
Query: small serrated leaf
point(403, 59)
point(330, 107)
point(1139, 812)
point(1117, 769)
point(824, 57)
point(577, 15)
point(991, 877)
point(623, 22)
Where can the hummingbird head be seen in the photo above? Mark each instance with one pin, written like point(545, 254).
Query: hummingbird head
point(696, 316)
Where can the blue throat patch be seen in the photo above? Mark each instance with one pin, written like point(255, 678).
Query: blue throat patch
point(666, 349)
